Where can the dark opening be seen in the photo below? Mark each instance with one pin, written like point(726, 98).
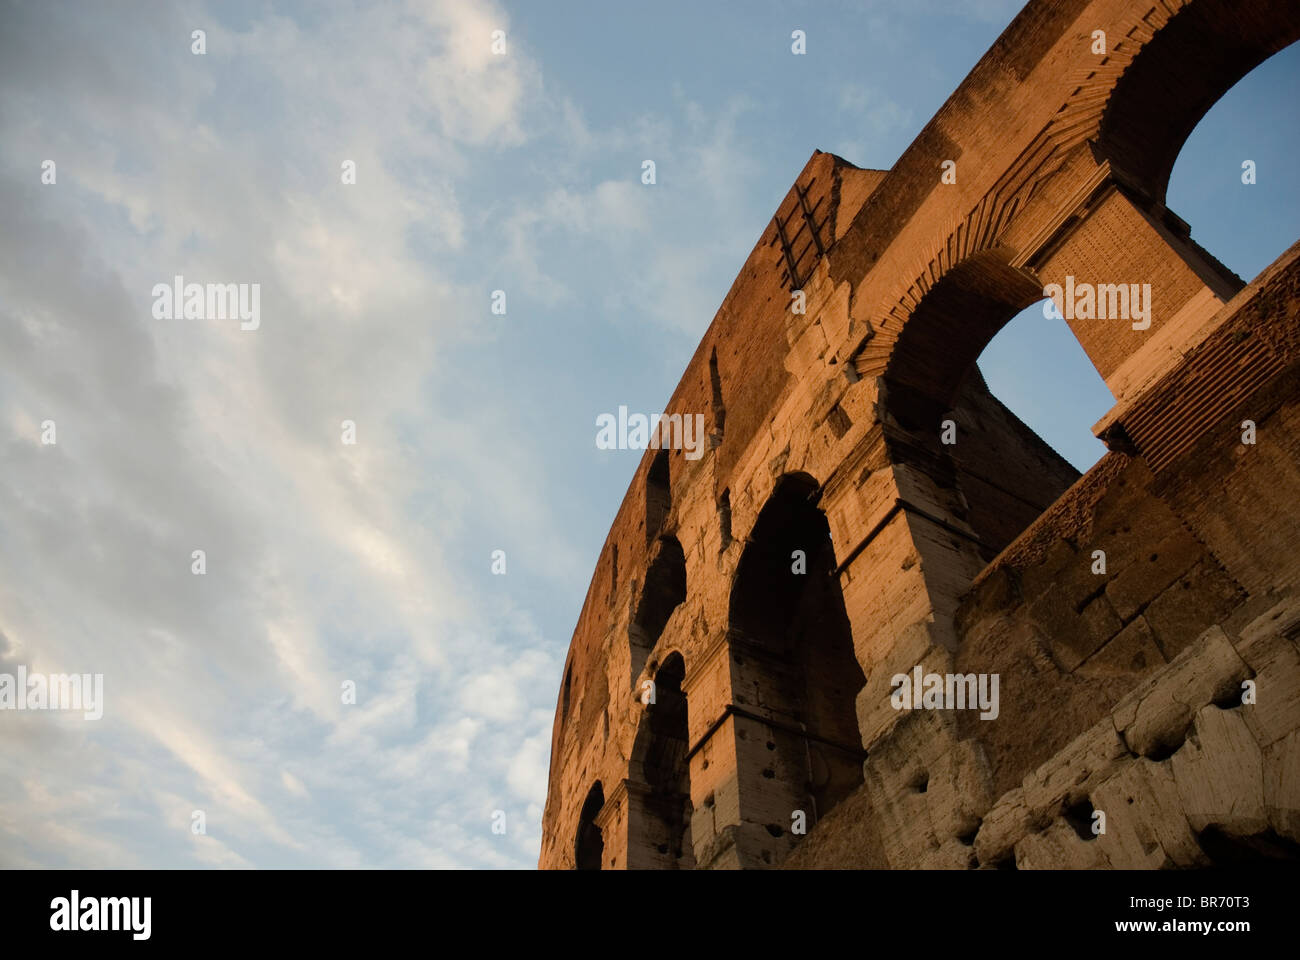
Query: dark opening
point(665, 588)
point(724, 518)
point(719, 410)
point(589, 847)
point(804, 671)
point(662, 745)
point(1079, 817)
point(658, 496)
point(564, 702)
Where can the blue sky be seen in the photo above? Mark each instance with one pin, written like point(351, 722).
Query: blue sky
point(371, 563)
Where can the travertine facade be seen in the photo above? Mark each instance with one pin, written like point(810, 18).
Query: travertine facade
point(832, 539)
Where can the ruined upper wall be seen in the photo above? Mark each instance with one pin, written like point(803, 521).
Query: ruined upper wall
point(748, 339)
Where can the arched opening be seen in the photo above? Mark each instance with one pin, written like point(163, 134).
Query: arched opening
point(589, 845)
point(1192, 61)
point(665, 589)
point(663, 827)
point(658, 496)
point(987, 470)
point(1232, 180)
point(795, 668)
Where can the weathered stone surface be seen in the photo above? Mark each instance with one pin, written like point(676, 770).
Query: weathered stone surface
point(1004, 825)
point(1156, 715)
point(1145, 825)
point(1128, 654)
point(1075, 634)
point(959, 791)
point(1071, 774)
point(1282, 785)
point(1276, 710)
point(1203, 595)
point(1162, 563)
point(876, 714)
point(1059, 847)
point(1282, 620)
point(1219, 773)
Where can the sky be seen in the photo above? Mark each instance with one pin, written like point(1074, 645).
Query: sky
point(370, 564)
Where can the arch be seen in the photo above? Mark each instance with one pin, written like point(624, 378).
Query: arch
point(792, 649)
point(953, 323)
point(664, 591)
point(1178, 75)
point(933, 378)
point(1134, 110)
point(661, 817)
point(589, 843)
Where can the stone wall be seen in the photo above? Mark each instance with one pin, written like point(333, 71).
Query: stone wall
point(866, 507)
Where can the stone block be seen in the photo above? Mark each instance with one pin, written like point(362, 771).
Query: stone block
point(1074, 635)
point(1132, 652)
point(1282, 785)
point(1134, 586)
point(959, 791)
point(1145, 825)
point(1006, 822)
point(1276, 710)
point(876, 715)
point(1220, 777)
point(1202, 596)
point(1153, 718)
point(1085, 762)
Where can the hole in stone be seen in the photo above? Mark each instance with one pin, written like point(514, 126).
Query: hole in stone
point(769, 773)
point(724, 518)
point(1230, 699)
point(719, 408)
point(1163, 750)
point(1079, 816)
point(774, 830)
point(771, 745)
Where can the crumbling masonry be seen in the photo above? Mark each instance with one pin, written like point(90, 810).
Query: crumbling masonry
point(1161, 690)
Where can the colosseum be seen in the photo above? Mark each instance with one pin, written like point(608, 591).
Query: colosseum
point(1105, 667)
